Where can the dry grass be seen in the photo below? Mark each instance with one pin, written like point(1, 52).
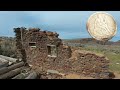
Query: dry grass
point(111, 52)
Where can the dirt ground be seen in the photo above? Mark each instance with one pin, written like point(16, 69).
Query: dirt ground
point(117, 75)
point(76, 76)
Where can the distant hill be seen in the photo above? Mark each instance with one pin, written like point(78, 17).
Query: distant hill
point(117, 43)
point(89, 41)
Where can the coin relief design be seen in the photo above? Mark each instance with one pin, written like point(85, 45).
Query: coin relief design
point(101, 26)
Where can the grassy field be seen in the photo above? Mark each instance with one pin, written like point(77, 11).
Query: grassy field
point(112, 52)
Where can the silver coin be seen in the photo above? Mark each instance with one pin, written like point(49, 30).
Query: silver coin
point(101, 26)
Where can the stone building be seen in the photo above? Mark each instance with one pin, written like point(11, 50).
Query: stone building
point(41, 48)
point(45, 50)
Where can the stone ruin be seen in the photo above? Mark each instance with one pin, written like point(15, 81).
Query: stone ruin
point(43, 49)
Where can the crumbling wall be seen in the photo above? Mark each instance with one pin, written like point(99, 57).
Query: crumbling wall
point(80, 62)
point(92, 64)
point(86, 63)
point(38, 56)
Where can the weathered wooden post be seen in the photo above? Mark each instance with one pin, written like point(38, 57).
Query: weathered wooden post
point(19, 33)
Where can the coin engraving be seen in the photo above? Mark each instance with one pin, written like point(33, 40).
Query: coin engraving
point(101, 26)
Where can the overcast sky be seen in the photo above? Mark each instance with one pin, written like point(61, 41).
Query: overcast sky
point(69, 24)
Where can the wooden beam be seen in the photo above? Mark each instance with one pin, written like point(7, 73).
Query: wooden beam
point(9, 58)
point(32, 75)
point(11, 74)
point(12, 67)
point(4, 64)
point(21, 76)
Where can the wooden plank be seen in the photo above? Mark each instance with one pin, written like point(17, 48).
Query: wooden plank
point(9, 58)
point(11, 74)
point(4, 64)
point(24, 74)
point(32, 75)
point(21, 76)
point(3, 60)
point(12, 67)
point(16, 65)
point(4, 70)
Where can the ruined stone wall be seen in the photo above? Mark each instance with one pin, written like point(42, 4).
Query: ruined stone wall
point(80, 62)
point(39, 56)
point(92, 64)
point(86, 63)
